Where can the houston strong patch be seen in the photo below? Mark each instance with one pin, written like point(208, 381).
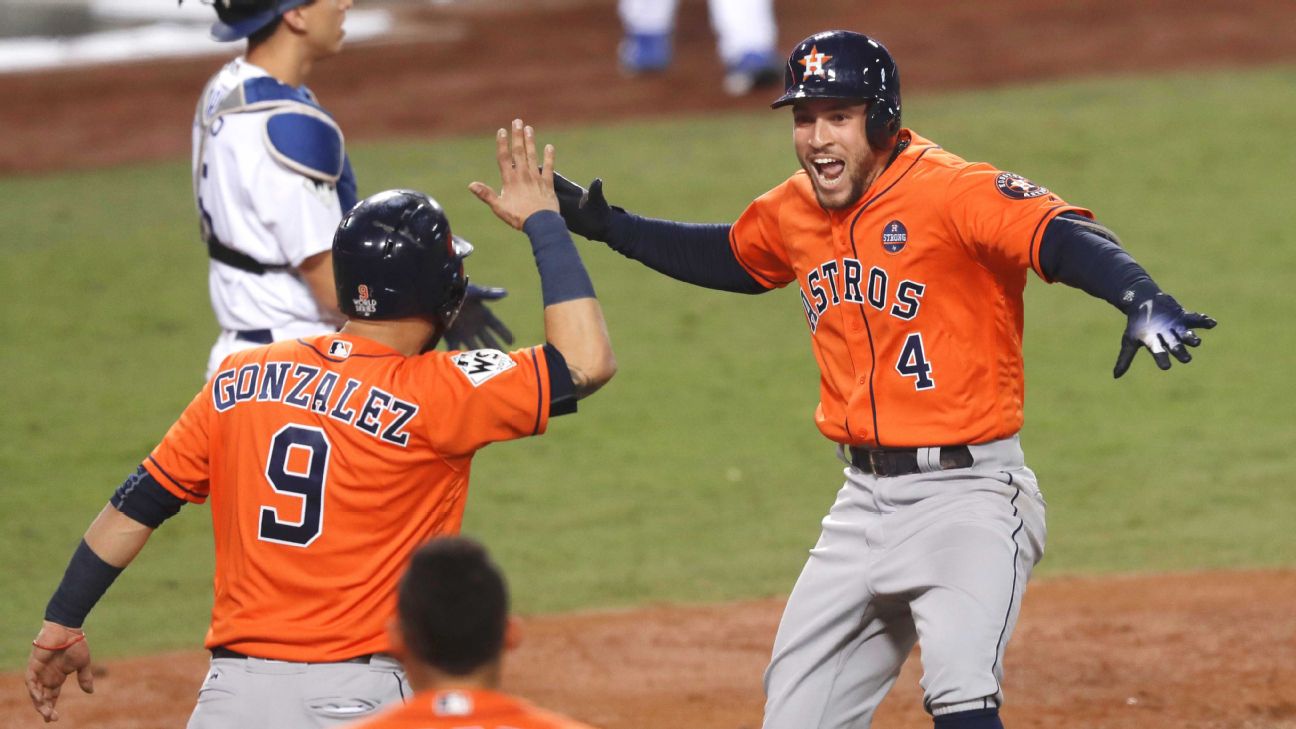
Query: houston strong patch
point(1016, 187)
point(480, 365)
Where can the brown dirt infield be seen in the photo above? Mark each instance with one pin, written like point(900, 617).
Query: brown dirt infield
point(1211, 649)
point(470, 67)
point(1205, 650)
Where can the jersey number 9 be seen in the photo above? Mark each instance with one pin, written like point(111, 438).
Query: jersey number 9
point(298, 465)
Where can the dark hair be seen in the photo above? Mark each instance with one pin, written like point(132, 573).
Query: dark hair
point(261, 34)
point(453, 605)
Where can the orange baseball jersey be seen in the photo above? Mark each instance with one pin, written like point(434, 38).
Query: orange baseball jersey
point(468, 709)
point(913, 295)
point(327, 461)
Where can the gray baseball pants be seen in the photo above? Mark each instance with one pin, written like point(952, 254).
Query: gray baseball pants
point(939, 558)
point(255, 693)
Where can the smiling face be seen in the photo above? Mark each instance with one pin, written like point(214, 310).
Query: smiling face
point(832, 147)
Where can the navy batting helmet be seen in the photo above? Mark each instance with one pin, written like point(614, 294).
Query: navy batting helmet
point(394, 256)
point(238, 19)
point(839, 64)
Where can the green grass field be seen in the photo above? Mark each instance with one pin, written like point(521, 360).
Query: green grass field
point(697, 475)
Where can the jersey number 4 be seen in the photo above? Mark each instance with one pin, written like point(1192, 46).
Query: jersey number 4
point(913, 363)
point(297, 466)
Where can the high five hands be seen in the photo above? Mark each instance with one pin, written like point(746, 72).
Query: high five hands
point(527, 182)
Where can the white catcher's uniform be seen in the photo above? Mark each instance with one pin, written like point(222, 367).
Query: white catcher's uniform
point(271, 181)
point(741, 26)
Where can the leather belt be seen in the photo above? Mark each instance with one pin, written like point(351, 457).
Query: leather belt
point(257, 336)
point(888, 462)
point(223, 652)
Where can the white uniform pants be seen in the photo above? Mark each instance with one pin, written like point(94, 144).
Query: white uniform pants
point(229, 342)
point(254, 693)
point(939, 558)
point(741, 26)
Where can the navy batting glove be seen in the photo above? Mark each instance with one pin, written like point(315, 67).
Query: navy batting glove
point(586, 212)
point(1158, 322)
point(476, 326)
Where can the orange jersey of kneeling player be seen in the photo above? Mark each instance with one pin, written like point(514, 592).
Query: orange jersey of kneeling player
point(465, 709)
point(327, 461)
point(913, 295)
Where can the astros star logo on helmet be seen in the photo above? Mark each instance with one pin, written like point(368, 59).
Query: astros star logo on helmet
point(814, 63)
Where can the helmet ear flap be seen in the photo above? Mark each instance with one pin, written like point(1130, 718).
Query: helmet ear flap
point(882, 123)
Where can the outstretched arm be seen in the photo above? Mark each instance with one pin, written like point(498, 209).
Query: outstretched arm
point(573, 318)
point(692, 253)
point(1082, 253)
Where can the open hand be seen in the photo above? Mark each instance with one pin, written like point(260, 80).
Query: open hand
point(56, 653)
point(527, 185)
point(1158, 322)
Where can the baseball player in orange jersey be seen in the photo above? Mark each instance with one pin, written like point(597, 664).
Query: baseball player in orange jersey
point(328, 460)
point(910, 264)
point(451, 629)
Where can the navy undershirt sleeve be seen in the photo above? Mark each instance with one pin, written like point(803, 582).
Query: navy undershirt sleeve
point(143, 499)
point(1075, 253)
point(562, 391)
point(692, 253)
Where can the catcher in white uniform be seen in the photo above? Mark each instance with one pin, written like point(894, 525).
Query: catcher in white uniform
point(272, 180)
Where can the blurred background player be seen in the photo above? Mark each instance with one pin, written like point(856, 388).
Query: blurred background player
point(329, 459)
point(272, 179)
point(451, 630)
point(745, 30)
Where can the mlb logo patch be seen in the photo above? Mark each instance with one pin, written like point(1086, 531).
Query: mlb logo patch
point(894, 237)
point(453, 703)
point(480, 365)
point(340, 348)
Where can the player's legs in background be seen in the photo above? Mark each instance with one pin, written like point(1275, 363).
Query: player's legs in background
point(646, 44)
point(746, 36)
point(836, 654)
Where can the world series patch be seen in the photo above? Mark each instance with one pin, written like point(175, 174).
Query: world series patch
point(894, 236)
point(480, 365)
point(1012, 185)
point(364, 305)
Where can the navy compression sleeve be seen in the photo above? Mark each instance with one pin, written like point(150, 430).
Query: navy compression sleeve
point(562, 274)
point(1081, 253)
point(86, 579)
point(688, 252)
